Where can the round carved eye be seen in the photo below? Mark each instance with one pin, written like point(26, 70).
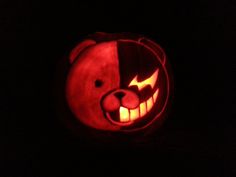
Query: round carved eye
point(98, 83)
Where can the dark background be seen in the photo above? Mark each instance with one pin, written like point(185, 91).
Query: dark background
point(196, 138)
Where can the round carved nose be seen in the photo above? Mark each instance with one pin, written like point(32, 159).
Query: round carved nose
point(121, 97)
point(120, 94)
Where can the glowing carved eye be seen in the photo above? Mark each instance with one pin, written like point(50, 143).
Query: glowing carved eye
point(149, 81)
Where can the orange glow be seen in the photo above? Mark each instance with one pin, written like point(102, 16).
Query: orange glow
point(149, 104)
point(134, 114)
point(127, 116)
point(142, 109)
point(149, 81)
point(121, 92)
point(124, 114)
point(155, 95)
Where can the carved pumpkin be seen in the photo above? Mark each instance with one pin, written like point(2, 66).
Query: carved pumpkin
point(117, 82)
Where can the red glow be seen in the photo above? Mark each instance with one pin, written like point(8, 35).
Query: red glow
point(109, 105)
point(82, 95)
point(80, 48)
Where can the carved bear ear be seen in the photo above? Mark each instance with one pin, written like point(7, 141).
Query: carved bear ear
point(155, 47)
point(80, 48)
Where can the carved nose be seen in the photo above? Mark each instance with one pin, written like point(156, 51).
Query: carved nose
point(120, 94)
point(121, 97)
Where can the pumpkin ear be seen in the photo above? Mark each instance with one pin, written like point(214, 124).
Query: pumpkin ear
point(155, 47)
point(80, 48)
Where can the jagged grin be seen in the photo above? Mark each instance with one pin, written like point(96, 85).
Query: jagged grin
point(126, 116)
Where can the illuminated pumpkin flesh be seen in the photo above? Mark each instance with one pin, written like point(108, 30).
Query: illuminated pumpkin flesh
point(117, 82)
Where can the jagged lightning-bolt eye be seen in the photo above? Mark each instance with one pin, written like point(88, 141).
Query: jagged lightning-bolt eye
point(149, 81)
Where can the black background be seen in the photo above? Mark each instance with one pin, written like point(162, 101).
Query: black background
point(35, 36)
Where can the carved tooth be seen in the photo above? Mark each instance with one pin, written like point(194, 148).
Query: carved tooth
point(142, 107)
point(149, 104)
point(134, 114)
point(124, 114)
point(155, 95)
point(127, 115)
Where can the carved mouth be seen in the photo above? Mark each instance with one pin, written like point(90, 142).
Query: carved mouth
point(125, 116)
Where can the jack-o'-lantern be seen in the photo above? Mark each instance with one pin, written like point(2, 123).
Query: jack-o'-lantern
point(117, 82)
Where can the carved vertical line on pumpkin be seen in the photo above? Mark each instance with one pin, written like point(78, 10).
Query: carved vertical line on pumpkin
point(129, 115)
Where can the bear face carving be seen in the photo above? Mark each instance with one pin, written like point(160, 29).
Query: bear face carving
point(117, 82)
